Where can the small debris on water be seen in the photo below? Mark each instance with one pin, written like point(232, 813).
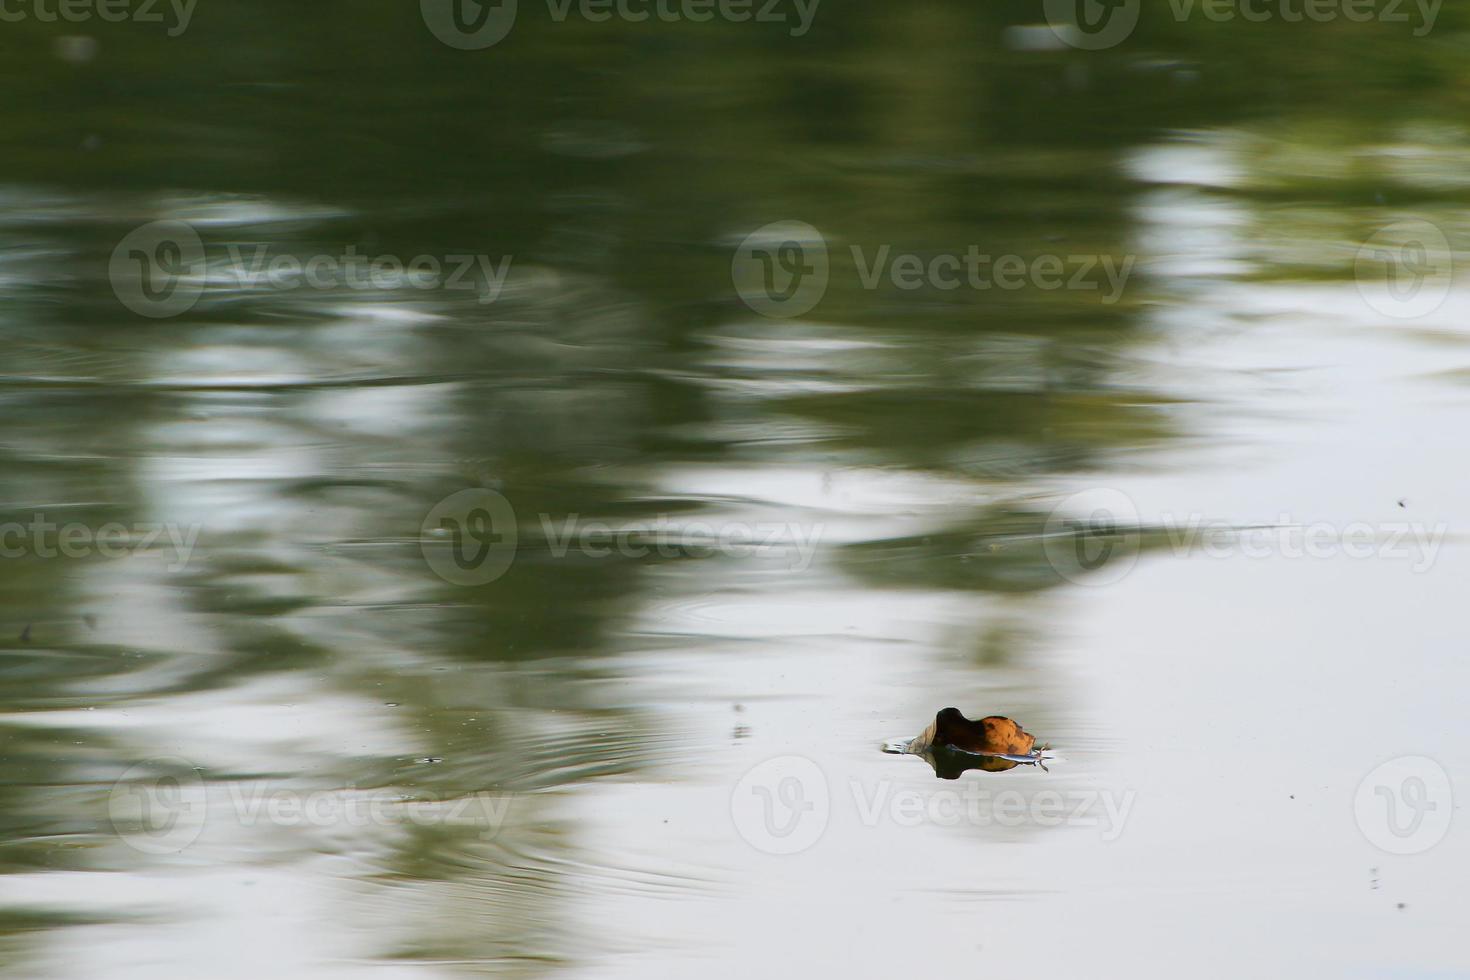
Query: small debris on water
point(76, 49)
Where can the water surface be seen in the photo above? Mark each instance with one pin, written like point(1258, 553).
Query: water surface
point(548, 760)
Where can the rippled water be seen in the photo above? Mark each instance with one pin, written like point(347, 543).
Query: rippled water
point(265, 725)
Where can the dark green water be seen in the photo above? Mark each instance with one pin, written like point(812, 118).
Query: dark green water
point(791, 537)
